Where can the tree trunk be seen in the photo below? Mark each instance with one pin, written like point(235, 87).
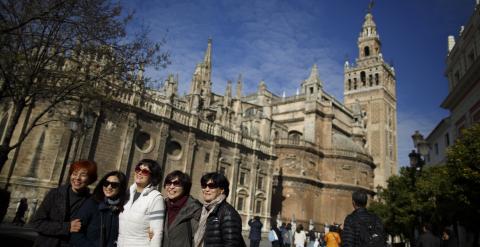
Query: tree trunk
point(12, 123)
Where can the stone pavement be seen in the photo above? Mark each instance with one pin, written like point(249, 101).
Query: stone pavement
point(16, 236)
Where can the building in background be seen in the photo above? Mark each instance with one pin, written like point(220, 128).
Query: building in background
point(463, 99)
point(370, 84)
point(295, 158)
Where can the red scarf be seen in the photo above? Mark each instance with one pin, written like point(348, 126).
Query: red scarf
point(174, 207)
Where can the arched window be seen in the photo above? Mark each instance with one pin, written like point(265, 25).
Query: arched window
point(363, 77)
point(349, 84)
point(370, 80)
point(294, 137)
point(376, 79)
point(366, 51)
point(354, 83)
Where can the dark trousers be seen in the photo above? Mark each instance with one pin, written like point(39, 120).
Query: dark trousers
point(254, 243)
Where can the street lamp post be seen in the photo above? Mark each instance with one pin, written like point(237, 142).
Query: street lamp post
point(73, 125)
point(416, 165)
point(77, 125)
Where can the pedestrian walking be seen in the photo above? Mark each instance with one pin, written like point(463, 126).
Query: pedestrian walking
point(362, 228)
point(299, 236)
point(275, 235)
point(183, 211)
point(99, 214)
point(448, 238)
point(22, 207)
point(255, 231)
point(220, 224)
point(287, 235)
point(426, 238)
point(311, 237)
point(141, 222)
point(54, 220)
point(332, 238)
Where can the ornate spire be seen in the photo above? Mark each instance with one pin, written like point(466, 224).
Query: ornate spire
point(207, 60)
point(369, 28)
point(239, 86)
point(314, 76)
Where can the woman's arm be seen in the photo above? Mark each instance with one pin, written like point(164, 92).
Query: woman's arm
point(42, 221)
point(156, 215)
point(85, 214)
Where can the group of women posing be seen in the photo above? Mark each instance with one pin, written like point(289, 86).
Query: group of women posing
point(139, 216)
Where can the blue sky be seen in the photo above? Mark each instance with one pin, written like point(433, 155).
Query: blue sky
point(279, 40)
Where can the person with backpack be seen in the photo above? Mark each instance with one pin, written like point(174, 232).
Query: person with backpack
point(362, 228)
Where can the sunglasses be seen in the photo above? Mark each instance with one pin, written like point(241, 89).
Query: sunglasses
point(209, 185)
point(141, 171)
point(114, 185)
point(175, 183)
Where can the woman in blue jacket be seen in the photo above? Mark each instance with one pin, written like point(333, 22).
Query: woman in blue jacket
point(99, 215)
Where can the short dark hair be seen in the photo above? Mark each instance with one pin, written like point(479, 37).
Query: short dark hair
point(155, 170)
point(184, 179)
point(98, 194)
point(360, 198)
point(218, 179)
point(299, 228)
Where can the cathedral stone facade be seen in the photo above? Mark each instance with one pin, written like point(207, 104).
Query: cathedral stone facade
point(292, 158)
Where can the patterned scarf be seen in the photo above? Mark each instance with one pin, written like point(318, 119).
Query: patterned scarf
point(202, 224)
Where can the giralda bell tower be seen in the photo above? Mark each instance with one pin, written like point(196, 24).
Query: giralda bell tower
point(369, 85)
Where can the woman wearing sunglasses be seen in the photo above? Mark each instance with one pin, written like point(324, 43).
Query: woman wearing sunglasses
point(99, 214)
point(183, 211)
point(143, 214)
point(220, 224)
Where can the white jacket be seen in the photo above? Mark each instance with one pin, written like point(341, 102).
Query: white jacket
point(147, 212)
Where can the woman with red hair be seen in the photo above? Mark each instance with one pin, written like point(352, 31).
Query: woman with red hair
point(53, 219)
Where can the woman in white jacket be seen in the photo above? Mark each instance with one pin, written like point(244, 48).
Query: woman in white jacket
point(144, 212)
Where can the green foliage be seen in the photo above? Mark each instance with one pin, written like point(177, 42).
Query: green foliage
point(440, 195)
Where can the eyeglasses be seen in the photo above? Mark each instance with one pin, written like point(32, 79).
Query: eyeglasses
point(114, 185)
point(209, 185)
point(175, 183)
point(144, 172)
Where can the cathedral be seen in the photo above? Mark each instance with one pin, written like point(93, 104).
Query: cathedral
point(291, 159)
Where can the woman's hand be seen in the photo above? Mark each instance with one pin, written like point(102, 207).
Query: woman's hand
point(150, 233)
point(75, 225)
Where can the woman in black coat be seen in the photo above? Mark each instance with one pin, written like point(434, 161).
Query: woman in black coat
point(53, 220)
point(220, 224)
point(99, 215)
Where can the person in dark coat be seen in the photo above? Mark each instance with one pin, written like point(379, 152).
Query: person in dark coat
point(220, 224)
point(449, 239)
point(99, 214)
point(255, 231)
point(183, 211)
point(350, 236)
point(279, 241)
point(54, 218)
point(427, 239)
point(20, 213)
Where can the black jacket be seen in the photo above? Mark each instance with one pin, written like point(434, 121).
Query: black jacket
point(52, 219)
point(427, 239)
point(351, 227)
point(182, 230)
point(224, 227)
point(99, 225)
